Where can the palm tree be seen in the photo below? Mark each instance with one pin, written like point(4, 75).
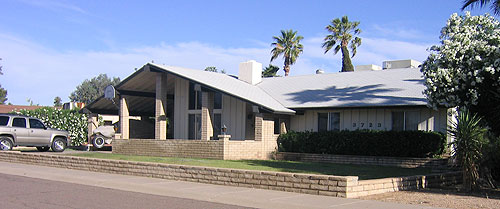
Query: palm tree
point(341, 36)
point(288, 45)
point(495, 5)
point(270, 71)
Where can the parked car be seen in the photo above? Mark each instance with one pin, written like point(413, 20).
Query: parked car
point(17, 130)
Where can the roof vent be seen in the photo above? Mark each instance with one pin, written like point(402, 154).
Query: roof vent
point(320, 71)
point(395, 64)
point(250, 72)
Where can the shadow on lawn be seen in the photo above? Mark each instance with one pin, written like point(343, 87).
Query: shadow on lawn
point(364, 172)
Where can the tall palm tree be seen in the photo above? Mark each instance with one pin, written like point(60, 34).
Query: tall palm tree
point(495, 5)
point(341, 37)
point(288, 45)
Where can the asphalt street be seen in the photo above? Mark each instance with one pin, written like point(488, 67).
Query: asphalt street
point(23, 192)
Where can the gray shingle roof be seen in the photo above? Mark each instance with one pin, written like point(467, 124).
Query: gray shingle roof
point(393, 87)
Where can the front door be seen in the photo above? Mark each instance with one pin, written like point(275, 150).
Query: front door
point(20, 130)
point(38, 133)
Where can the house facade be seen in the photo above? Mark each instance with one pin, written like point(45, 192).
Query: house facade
point(185, 110)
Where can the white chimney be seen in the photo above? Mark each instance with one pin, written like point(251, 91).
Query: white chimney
point(250, 72)
point(367, 67)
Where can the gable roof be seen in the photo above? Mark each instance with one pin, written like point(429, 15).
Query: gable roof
point(392, 87)
point(228, 85)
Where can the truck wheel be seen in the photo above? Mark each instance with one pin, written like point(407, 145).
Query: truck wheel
point(98, 141)
point(43, 149)
point(58, 145)
point(6, 143)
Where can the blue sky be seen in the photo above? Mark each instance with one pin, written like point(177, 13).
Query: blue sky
point(48, 47)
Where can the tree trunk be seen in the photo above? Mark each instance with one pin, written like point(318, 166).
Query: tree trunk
point(286, 69)
point(346, 61)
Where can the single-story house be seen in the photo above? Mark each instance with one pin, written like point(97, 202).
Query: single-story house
point(185, 109)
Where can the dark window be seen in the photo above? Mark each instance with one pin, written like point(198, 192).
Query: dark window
point(408, 121)
point(194, 98)
point(277, 126)
point(411, 120)
point(19, 122)
point(194, 123)
point(4, 120)
point(36, 124)
point(217, 100)
point(108, 123)
point(217, 125)
point(398, 121)
point(322, 121)
point(334, 121)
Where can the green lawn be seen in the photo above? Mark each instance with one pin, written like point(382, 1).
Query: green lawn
point(363, 171)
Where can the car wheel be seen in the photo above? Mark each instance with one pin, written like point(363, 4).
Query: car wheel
point(58, 145)
point(43, 149)
point(6, 143)
point(98, 142)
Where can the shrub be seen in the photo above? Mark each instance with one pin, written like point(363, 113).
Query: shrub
point(365, 142)
point(68, 120)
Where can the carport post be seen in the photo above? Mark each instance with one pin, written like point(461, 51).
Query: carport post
point(124, 118)
point(207, 107)
point(161, 106)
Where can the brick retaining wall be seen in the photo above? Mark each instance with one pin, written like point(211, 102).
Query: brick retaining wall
point(212, 149)
point(365, 160)
point(339, 186)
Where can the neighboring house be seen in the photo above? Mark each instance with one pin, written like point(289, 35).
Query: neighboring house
point(11, 108)
point(198, 103)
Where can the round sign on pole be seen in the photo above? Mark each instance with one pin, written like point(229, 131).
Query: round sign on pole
point(109, 92)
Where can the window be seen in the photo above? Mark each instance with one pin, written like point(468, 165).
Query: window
point(329, 121)
point(36, 124)
point(19, 122)
point(4, 120)
point(218, 100)
point(217, 121)
point(405, 120)
point(194, 98)
point(194, 126)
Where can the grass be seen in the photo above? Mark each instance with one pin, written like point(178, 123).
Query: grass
point(363, 171)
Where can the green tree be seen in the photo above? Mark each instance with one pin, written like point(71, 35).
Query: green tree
point(211, 69)
point(495, 5)
point(3, 92)
point(467, 148)
point(288, 45)
point(464, 70)
point(57, 102)
point(270, 71)
point(90, 90)
point(341, 37)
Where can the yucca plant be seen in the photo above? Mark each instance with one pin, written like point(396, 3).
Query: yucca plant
point(469, 139)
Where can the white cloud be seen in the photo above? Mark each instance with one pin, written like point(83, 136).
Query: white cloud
point(42, 73)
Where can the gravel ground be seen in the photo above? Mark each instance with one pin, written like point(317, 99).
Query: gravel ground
point(443, 198)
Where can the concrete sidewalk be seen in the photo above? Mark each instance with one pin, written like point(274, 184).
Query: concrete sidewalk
point(247, 197)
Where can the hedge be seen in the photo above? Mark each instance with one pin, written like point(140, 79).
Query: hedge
point(365, 142)
point(68, 120)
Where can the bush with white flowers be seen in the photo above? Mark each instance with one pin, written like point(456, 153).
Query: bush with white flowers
point(68, 120)
point(465, 69)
